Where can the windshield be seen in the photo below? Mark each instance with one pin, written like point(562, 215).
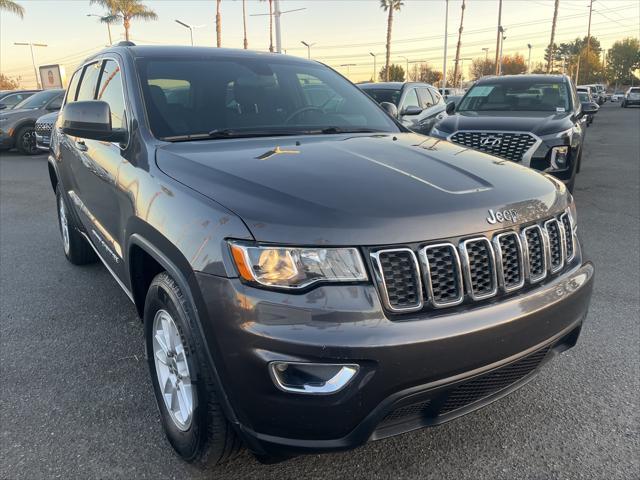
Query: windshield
point(383, 94)
point(517, 95)
point(38, 100)
point(584, 97)
point(235, 95)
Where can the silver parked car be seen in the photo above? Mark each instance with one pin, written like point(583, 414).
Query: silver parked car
point(44, 125)
point(17, 126)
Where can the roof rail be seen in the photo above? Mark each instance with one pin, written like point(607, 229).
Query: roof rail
point(125, 43)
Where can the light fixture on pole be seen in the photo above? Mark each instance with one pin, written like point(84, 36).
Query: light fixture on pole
point(103, 19)
point(407, 60)
point(529, 61)
point(277, 13)
point(348, 65)
point(190, 27)
point(444, 61)
point(375, 70)
point(33, 58)
point(462, 69)
point(486, 59)
point(503, 38)
point(308, 45)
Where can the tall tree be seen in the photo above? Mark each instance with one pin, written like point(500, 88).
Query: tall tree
point(481, 67)
point(245, 42)
point(8, 83)
point(456, 66)
point(553, 34)
point(395, 73)
point(218, 24)
point(623, 58)
point(126, 10)
point(389, 6)
point(12, 7)
point(423, 72)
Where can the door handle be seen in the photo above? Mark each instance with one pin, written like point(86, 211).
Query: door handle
point(80, 145)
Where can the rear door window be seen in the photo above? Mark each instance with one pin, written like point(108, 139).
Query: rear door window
point(411, 99)
point(87, 88)
point(426, 99)
point(110, 91)
point(73, 87)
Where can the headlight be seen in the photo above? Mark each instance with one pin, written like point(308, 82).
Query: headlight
point(559, 157)
point(439, 133)
point(297, 267)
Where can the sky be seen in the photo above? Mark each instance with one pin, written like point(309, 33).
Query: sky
point(343, 31)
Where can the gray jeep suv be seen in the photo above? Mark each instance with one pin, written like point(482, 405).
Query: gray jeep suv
point(310, 274)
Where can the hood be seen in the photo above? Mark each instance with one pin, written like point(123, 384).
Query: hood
point(22, 113)
point(48, 118)
point(358, 190)
point(539, 123)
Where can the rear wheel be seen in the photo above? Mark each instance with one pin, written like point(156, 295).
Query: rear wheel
point(183, 382)
point(26, 141)
point(75, 246)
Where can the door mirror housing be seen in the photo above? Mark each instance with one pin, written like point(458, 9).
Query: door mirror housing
point(390, 108)
point(451, 107)
point(91, 120)
point(411, 110)
point(589, 108)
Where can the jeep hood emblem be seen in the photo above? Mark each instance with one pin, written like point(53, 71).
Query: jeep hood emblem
point(509, 215)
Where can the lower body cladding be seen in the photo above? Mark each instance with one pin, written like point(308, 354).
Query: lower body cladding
point(421, 369)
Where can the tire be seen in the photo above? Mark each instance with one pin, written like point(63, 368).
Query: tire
point(75, 246)
point(26, 141)
point(572, 184)
point(579, 163)
point(202, 435)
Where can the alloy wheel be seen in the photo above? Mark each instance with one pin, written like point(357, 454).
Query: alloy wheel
point(64, 225)
point(172, 370)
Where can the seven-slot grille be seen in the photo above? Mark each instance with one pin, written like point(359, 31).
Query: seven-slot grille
point(476, 267)
point(511, 146)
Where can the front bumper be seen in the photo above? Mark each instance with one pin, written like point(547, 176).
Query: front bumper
point(6, 140)
point(403, 363)
point(43, 142)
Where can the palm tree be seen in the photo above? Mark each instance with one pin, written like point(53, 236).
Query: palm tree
point(270, 24)
point(13, 7)
point(218, 24)
point(389, 6)
point(125, 10)
point(244, 24)
point(456, 70)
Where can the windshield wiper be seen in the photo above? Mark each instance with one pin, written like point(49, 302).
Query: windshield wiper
point(231, 133)
point(332, 130)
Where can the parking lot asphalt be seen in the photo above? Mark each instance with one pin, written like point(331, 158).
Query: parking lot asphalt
point(76, 401)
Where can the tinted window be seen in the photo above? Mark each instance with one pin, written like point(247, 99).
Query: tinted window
point(110, 91)
point(11, 100)
point(269, 95)
point(38, 100)
point(384, 95)
point(411, 99)
point(56, 103)
point(88, 83)
point(521, 94)
point(436, 96)
point(425, 98)
point(73, 87)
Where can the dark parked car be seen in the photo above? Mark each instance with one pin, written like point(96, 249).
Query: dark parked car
point(310, 276)
point(632, 97)
point(10, 98)
point(534, 120)
point(17, 126)
point(43, 128)
point(418, 106)
point(585, 97)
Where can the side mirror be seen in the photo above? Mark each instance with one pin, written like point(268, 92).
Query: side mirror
point(411, 110)
point(590, 108)
point(91, 120)
point(390, 108)
point(451, 107)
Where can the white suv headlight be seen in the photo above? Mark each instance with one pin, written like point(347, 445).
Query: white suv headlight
point(297, 267)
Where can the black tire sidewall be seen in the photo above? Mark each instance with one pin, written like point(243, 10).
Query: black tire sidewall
point(186, 443)
point(19, 139)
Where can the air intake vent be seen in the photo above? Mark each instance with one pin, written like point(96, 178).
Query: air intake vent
point(481, 272)
point(534, 241)
point(509, 253)
point(399, 275)
point(556, 245)
point(567, 225)
point(443, 274)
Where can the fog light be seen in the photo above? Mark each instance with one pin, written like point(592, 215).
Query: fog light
point(559, 158)
point(312, 378)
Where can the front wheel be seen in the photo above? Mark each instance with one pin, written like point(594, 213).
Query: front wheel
point(183, 382)
point(76, 247)
point(26, 141)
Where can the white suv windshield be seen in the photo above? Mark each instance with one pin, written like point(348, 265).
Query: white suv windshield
point(228, 96)
point(517, 95)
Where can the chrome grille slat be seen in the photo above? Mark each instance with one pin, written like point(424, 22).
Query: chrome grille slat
point(510, 145)
point(443, 274)
point(480, 268)
point(474, 268)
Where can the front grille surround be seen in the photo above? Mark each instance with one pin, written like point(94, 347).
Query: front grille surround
point(503, 264)
point(440, 274)
point(429, 275)
point(515, 146)
point(379, 271)
point(470, 268)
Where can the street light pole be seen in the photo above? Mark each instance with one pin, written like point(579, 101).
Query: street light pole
point(33, 58)
point(529, 61)
point(348, 65)
point(486, 59)
point(308, 45)
point(190, 27)
point(504, 37)
point(444, 62)
point(108, 25)
point(375, 69)
point(462, 69)
point(407, 60)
